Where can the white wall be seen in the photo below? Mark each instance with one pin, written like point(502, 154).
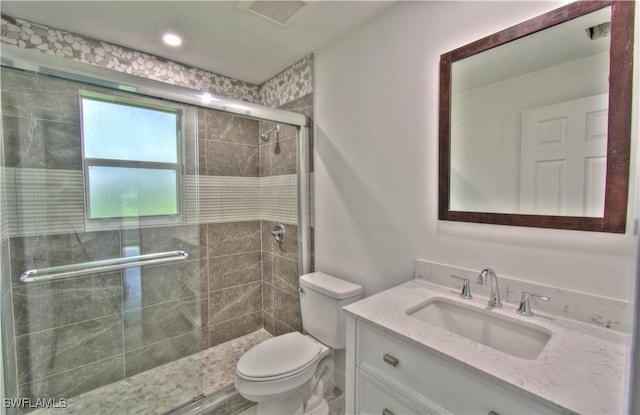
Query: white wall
point(376, 162)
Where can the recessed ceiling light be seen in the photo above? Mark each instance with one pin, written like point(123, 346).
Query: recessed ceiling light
point(172, 39)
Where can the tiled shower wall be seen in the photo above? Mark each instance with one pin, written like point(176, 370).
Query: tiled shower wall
point(251, 278)
point(232, 295)
point(8, 336)
point(114, 324)
point(281, 301)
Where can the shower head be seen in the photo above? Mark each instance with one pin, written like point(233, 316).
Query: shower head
point(266, 137)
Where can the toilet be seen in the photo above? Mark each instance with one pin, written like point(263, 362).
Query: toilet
point(289, 374)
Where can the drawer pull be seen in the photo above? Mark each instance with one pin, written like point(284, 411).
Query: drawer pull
point(390, 359)
point(385, 411)
point(493, 413)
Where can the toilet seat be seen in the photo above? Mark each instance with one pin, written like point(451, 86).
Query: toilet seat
point(279, 357)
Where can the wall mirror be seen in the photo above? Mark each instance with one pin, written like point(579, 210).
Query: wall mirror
point(535, 122)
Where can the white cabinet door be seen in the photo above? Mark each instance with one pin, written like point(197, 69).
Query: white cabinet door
point(563, 158)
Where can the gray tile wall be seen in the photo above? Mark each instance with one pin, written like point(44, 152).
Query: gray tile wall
point(281, 307)
point(9, 362)
point(281, 301)
point(228, 144)
point(121, 323)
point(77, 334)
point(8, 334)
point(232, 293)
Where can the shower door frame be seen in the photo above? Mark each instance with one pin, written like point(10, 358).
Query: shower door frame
point(38, 62)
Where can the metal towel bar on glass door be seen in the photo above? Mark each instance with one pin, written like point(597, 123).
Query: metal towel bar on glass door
point(103, 265)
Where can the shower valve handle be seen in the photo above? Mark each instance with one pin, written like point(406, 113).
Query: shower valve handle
point(279, 233)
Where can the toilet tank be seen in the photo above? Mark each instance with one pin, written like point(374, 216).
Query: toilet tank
point(321, 299)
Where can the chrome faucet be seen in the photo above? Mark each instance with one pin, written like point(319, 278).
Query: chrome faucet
point(494, 297)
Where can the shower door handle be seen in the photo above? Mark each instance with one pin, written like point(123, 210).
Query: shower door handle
point(102, 265)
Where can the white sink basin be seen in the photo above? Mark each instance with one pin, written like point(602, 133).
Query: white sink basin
point(512, 336)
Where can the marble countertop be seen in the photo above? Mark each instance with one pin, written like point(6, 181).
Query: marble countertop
point(581, 369)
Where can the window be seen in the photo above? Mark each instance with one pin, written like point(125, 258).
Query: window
point(131, 153)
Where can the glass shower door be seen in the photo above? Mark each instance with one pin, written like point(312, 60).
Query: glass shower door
point(119, 328)
point(101, 273)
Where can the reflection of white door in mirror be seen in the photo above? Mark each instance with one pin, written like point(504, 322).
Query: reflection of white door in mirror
point(563, 158)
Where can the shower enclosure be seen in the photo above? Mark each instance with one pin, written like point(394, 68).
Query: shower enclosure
point(136, 231)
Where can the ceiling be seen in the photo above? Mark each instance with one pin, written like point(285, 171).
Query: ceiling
point(563, 43)
point(217, 35)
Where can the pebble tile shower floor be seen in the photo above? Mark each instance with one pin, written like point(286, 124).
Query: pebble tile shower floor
point(161, 390)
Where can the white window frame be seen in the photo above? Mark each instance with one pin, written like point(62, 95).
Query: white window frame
point(178, 167)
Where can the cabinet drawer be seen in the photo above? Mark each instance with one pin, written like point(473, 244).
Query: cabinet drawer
point(450, 385)
point(374, 398)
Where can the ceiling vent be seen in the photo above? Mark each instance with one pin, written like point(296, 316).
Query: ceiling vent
point(599, 31)
point(280, 12)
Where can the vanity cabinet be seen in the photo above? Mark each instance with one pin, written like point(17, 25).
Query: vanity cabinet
point(388, 374)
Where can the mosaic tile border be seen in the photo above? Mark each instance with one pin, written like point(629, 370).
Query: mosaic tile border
point(68, 45)
point(294, 82)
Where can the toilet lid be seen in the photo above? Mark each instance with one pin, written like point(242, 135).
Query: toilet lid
point(279, 355)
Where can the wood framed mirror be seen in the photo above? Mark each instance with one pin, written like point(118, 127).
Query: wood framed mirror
point(535, 122)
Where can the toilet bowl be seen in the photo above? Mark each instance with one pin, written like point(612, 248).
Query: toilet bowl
point(282, 374)
point(289, 374)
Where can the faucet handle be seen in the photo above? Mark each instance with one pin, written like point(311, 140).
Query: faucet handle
point(525, 306)
point(466, 290)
